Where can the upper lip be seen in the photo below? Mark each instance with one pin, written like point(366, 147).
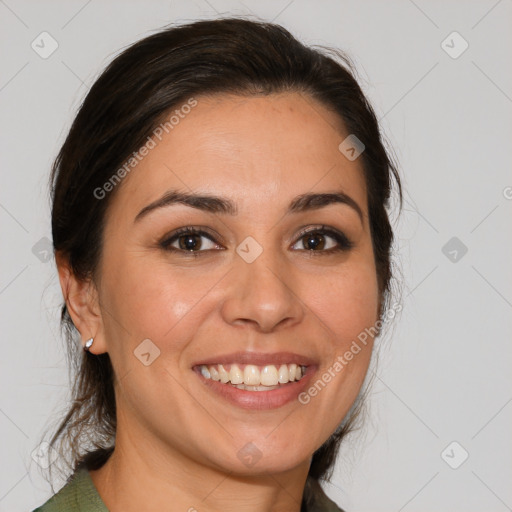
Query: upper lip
point(258, 359)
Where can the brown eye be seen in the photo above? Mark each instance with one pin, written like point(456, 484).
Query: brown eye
point(323, 241)
point(313, 241)
point(189, 240)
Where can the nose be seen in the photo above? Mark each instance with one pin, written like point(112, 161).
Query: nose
point(261, 294)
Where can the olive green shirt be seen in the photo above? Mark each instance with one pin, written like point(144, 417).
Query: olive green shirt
point(80, 495)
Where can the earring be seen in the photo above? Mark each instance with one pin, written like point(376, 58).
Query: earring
point(88, 344)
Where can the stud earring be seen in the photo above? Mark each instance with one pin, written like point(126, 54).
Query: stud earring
point(88, 344)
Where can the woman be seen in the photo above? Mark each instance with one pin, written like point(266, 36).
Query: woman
point(223, 247)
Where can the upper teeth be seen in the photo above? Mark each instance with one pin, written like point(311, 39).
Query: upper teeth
point(252, 375)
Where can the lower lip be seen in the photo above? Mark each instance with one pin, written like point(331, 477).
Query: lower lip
point(259, 400)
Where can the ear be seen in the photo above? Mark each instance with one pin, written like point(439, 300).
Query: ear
point(82, 303)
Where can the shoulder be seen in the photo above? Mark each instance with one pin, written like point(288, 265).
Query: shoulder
point(78, 495)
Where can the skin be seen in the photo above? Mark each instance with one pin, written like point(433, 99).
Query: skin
point(176, 441)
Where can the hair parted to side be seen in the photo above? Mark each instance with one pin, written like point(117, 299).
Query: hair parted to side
point(123, 107)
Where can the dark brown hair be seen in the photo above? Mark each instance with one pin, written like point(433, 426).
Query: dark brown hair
point(123, 107)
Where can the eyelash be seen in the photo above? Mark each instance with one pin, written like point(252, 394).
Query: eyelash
point(344, 244)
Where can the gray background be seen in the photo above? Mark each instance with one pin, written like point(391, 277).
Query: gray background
point(444, 371)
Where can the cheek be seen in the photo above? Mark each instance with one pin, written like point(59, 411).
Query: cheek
point(150, 300)
point(345, 302)
point(346, 311)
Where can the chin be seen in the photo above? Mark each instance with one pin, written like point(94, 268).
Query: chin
point(259, 457)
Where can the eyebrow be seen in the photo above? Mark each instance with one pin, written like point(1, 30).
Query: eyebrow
point(216, 204)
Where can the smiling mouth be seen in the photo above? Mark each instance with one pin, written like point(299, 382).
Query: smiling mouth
point(249, 377)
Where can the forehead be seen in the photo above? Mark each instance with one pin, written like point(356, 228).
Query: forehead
point(257, 150)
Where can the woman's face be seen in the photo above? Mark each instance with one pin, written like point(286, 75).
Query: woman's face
point(247, 288)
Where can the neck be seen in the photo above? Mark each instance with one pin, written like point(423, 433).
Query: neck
point(141, 476)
